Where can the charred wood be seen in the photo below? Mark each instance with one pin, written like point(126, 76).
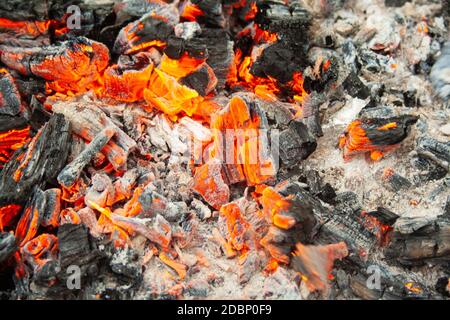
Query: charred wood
point(70, 174)
point(39, 164)
point(7, 246)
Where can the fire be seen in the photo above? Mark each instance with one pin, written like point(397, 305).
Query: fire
point(266, 88)
point(10, 141)
point(127, 85)
point(191, 12)
point(381, 231)
point(179, 68)
point(40, 250)
point(7, 214)
point(274, 205)
point(355, 141)
point(172, 98)
point(27, 226)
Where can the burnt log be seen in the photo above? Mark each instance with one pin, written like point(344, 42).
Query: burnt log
point(220, 53)
point(7, 246)
point(375, 135)
point(148, 31)
point(76, 248)
point(416, 241)
point(70, 174)
point(296, 143)
point(70, 65)
point(88, 121)
point(38, 164)
point(10, 101)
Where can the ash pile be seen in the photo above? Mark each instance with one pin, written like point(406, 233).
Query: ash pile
point(231, 149)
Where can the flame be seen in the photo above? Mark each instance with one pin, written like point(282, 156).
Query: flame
point(10, 141)
point(191, 12)
point(127, 86)
point(181, 67)
point(172, 98)
point(274, 206)
point(251, 13)
point(354, 141)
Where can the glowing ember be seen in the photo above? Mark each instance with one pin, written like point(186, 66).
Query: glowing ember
point(10, 141)
point(7, 214)
point(316, 262)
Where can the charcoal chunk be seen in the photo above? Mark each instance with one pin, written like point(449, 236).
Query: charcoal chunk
point(7, 245)
point(355, 87)
point(385, 216)
point(296, 143)
point(45, 160)
point(395, 3)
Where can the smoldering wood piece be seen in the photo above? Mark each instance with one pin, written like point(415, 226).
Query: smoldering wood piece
point(297, 221)
point(124, 186)
point(7, 246)
point(296, 143)
point(9, 123)
point(434, 150)
point(87, 121)
point(10, 101)
point(289, 22)
point(416, 241)
point(388, 136)
point(71, 173)
point(393, 181)
point(37, 163)
point(391, 285)
point(148, 31)
point(52, 208)
point(355, 87)
point(316, 263)
point(56, 62)
point(252, 157)
point(278, 61)
point(75, 247)
point(31, 217)
point(177, 47)
point(101, 192)
point(203, 80)
point(384, 215)
point(220, 53)
point(212, 13)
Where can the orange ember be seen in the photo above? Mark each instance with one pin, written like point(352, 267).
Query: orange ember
point(191, 12)
point(10, 141)
point(179, 68)
point(236, 224)
point(381, 231)
point(274, 206)
point(7, 214)
point(127, 86)
point(355, 141)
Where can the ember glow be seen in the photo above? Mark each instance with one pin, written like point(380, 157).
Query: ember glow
point(177, 149)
